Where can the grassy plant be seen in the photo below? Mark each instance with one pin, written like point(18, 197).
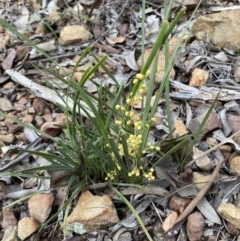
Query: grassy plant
point(113, 149)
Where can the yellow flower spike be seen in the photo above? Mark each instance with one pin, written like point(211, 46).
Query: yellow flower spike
point(127, 113)
point(143, 86)
point(149, 143)
point(144, 151)
point(151, 170)
point(152, 178)
point(135, 81)
point(159, 69)
point(137, 174)
point(128, 101)
point(139, 136)
point(140, 76)
point(128, 122)
point(131, 94)
point(147, 126)
point(122, 108)
point(148, 72)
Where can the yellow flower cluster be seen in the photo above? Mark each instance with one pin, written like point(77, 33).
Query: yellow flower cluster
point(111, 175)
point(127, 117)
point(137, 171)
point(133, 141)
point(134, 172)
point(149, 175)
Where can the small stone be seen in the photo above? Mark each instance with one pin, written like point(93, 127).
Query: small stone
point(230, 213)
point(160, 64)
point(9, 138)
point(180, 129)
point(211, 124)
point(40, 206)
point(78, 76)
point(27, 119)
point(10, 234)
point(23, 101)
point(199, 77)
point(53, 17)
point(195, 226)
point(85, 217)
point(212, 141)
point(235, 165)
point(74, 34)
point(200, 180)
point(8, 85)
point(204, 163)
point(40, 29)
point(5, 104)
point(26, 227)
point(169, 221)
point(39, 106)
point(31, 110)
point(39, 120)
point(48, 117)
point(9, 218)
point(178, 203)
point(12, 128)
point(8, 120)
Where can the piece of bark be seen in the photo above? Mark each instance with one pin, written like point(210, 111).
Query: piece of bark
point(46, 93)
point(186, 92)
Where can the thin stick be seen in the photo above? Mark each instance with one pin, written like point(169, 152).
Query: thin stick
point(197, 199)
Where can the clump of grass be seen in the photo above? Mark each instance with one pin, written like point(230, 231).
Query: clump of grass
point(115, 147)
